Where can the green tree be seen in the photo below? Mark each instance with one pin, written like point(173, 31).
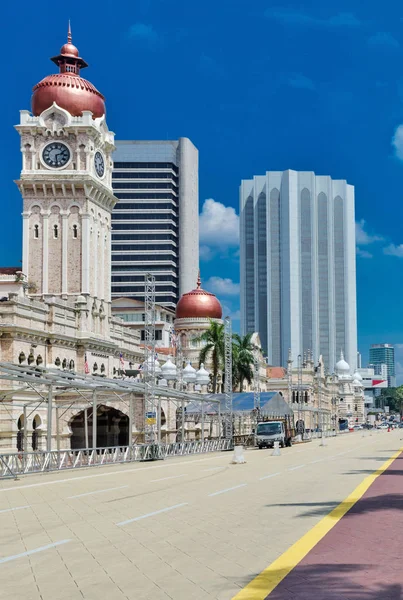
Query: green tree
point(243, 359)
point(214, 347)
point(393, 397)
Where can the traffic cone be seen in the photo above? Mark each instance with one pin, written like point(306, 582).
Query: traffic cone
point(388, 429)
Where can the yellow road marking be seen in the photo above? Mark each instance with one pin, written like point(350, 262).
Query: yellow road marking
point(260, 587)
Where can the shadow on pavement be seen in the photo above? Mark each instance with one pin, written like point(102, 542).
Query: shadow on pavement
point(364, 505)
point(329, 582)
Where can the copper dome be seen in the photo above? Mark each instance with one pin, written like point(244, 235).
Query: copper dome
point(198, 304)
point(67, 88)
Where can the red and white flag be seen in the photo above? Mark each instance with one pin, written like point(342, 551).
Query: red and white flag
point(86, 366)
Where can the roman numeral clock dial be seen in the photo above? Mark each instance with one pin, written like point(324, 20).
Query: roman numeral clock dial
point(56, 155)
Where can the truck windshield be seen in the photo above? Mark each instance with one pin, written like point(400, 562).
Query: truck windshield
point(268, 428)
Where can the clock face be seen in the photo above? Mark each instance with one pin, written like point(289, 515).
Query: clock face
point(56, 155)
point(99, 164)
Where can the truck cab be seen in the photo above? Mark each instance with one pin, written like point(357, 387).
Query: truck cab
point(268, 432)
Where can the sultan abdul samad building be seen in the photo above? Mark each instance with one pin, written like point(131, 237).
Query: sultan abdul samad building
point(56, 310)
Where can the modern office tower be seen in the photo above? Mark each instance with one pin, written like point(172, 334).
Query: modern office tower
point(298, 284)
point(155, 222)
point(384, 354)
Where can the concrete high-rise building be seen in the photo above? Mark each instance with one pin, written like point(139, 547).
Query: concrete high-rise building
point(298, 281)
point(155, 222)
point(384, 354)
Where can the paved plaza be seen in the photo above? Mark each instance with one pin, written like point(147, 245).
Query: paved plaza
point(199, 527)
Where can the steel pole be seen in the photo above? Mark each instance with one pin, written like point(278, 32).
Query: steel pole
point(25, 431)
point(86, 428)
point(159, 421)
point(183, 422)
point(49, 416)
point(57, 430)
point(130, 441)
point(202, 422)
point(94, 419)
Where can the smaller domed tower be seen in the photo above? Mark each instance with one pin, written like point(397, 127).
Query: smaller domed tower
point(194, 312)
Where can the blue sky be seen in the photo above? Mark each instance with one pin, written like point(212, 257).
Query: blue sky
point(261, 85)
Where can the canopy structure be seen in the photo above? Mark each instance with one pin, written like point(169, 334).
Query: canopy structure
point(29, 387)
point(272, 404)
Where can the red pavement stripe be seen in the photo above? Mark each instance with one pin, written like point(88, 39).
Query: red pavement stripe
point(360, 558)
point(286, 565)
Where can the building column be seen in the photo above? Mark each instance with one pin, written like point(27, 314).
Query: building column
point(85, 254)
point(25, 242)
point(101, 250)
point(65, 234)
point(45, 252)
point(108, 251)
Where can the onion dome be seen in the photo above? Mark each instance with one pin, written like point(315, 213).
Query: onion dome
point(189, 374)
point(67, 88)
point(198, 304)
point(342, 367)
point(202, 376)
point(357, 376)
point(148, 365)
point(169, 371)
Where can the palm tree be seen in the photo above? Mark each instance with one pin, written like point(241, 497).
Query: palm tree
point(214, 346)
point(243, 358)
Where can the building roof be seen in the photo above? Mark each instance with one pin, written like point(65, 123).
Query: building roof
point(10, 270)
point(276, 372)
point(272, 404)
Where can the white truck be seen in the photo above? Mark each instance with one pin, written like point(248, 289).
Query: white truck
point(268, 432)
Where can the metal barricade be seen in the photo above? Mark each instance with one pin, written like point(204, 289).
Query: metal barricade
point(22, 463)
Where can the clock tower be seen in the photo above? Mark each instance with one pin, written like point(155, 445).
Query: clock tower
point(66, 185)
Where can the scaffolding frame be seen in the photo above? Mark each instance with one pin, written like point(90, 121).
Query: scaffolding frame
point(151, 418)
point(228, 417)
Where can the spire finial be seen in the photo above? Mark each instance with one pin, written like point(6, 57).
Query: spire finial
point(198, 280)
point(341, 355)
point(69, 38)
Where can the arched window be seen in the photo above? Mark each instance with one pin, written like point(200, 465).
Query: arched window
point(64, 363)
point(55, 231)
point(75, 232)
point(71, 365)
point(36, 231)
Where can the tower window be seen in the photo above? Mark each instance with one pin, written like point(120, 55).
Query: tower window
point(75, 232)
point(55, 231)
point(36, 231)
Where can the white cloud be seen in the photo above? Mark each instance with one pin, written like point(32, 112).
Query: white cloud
point(222, 286)
point(362, 237)
point(301, 82)
point(219, 225)
point(143, 32)
point(235, 315)
point(292, 17)
point(393, 250)
point(206, 253)
point(397, 142)
point(383, 38)
point(363, 253)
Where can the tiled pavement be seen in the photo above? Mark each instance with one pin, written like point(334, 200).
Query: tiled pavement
point(190, 542)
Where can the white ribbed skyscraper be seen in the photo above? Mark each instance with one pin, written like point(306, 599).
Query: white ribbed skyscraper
point(298, 279)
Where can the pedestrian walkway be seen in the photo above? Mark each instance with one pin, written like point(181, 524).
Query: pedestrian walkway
point(360, 556)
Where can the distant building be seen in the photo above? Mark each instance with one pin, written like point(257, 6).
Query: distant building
point(298, 281)
point(384, 354)
point(373, 384)
point(155, 222)
point(132, 312)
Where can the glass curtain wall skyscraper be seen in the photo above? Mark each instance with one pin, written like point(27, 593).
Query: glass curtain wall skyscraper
point(384, 354)
point(298, 280)
point(155, 223)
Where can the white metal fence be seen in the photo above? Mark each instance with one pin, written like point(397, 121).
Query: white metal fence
point(23, 463)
